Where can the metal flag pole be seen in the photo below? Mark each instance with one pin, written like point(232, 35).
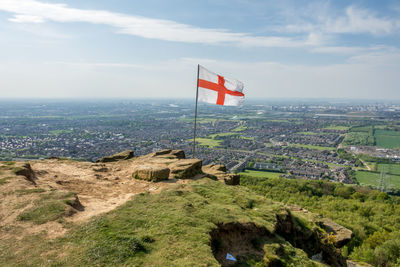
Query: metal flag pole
point(195, 112)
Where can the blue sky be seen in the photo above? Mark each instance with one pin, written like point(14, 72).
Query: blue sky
point(128, 49)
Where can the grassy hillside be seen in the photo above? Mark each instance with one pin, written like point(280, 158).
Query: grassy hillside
point(373, 216)
point(190, 225)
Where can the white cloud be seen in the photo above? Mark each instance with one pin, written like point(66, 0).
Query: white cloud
point(27, 19)
point(361, 21)
point(32, 11)
point(355, 21)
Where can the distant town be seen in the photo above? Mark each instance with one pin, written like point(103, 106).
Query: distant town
point(342, 141)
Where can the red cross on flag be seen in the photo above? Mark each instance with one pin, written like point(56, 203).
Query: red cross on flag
point(215, 89)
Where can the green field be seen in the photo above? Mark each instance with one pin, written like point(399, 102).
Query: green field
point(58, 132)
point(213, 136)
point(261, 174)
point(373, 178)
point(358, 139)
point(337, 127)
point(240, 128)
point(207, 142)
point(389, 168)
point(387, 138)
point(314, 147)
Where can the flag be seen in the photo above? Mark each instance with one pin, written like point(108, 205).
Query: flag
point(230, 257)
point(216, 89)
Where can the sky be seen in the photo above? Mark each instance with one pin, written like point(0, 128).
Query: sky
point(135, 49)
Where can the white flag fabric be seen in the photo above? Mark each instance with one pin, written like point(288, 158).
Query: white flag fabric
point(216, 89)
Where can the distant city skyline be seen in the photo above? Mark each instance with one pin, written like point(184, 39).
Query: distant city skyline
point(278, 49)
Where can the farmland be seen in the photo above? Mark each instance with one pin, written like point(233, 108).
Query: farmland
point(261, 174)
point(387, 138)
point(373, 179)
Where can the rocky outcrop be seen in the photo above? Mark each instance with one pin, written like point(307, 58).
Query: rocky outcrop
point(218, 171)
point(152, 173)
point(169, 153)
point(232, 179)
point(312, 241)
point(185, 168)
point(341, 234)
point(25, 170)
point(125, 155)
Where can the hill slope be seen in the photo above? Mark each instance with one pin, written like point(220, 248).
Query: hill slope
point(176, 222)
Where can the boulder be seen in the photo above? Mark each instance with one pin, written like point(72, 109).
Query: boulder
point(185, 168)
point(152, 173)
point(213, 168)
point(127, 154)
point(168, 153)
point(342, 234)
point(180, 154)
point(160, 153)
point(232, 179)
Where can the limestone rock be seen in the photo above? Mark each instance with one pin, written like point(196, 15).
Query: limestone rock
point(127, 154)
point(342, 234)
point(152, 173)
point(185, 168)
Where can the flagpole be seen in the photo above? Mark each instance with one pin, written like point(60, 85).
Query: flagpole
point(195, 112)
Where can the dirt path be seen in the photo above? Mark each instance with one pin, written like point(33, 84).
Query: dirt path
point(365, 164)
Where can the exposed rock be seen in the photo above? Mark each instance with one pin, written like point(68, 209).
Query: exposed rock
point(185, 168)
point(357, 264)
point(25, 170)
point(100, 168)
point(342, 234)
point(310, 240)
point(125, 155)
point(240, 239)
point(180, 154)
point(232, 179)
point(151, 173)
point(168, 153)
point(214, 168)
point(219, 171)
point(74, 202)
point(161, 152)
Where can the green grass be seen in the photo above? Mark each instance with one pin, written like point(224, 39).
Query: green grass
point(48, 207)
point(389, 168)
point(240, 128)
point(21, 192)
point(207, 142)
point(261, 174)
point(5, 180)
point(373, 179)
point(58, 132)
point(387, 138)
point(313, 147)
point(46, 212)
point(337, 127)
point(358, 139)
point(167, 229)
point(213, 136)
